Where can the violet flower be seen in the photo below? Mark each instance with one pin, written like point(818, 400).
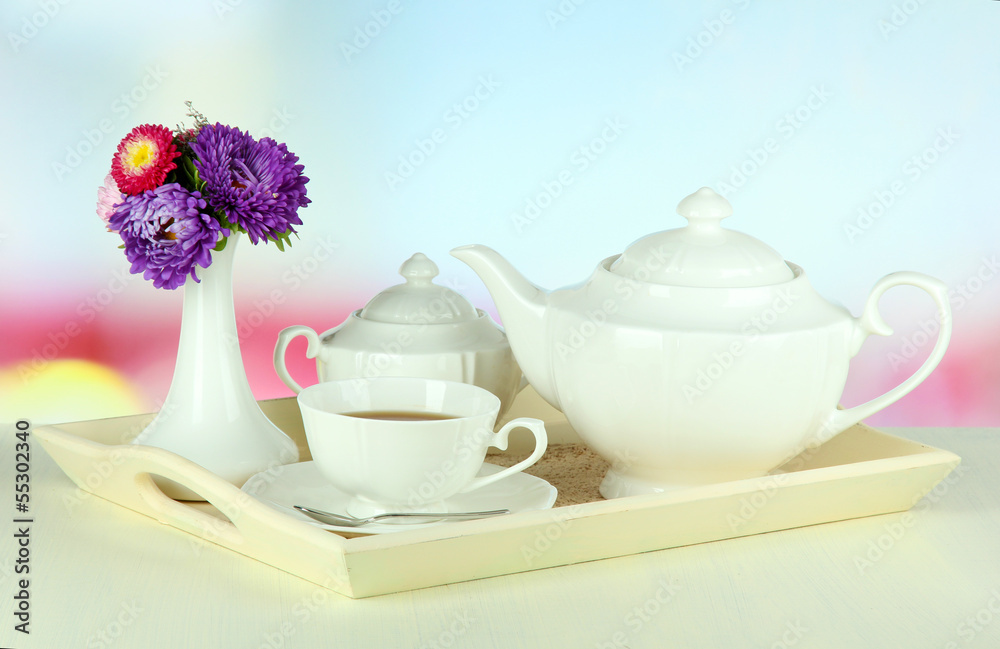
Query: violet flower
point(167, 234)
point(256, 184)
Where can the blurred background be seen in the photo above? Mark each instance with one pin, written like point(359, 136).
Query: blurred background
point(856, 139)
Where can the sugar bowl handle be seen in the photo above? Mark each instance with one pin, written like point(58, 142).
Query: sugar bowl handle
point(285, 337)
point(871, 322)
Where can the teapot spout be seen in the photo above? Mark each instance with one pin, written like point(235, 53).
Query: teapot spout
point(522, 306)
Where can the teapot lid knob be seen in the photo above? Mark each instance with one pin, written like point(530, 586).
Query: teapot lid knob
point(419, 269)
point(704, 208)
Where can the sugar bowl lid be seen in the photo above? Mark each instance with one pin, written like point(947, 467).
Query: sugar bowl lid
point(703, 254)
point(419, 300)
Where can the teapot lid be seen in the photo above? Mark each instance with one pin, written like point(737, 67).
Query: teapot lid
point(703, 254)
point(418, 300)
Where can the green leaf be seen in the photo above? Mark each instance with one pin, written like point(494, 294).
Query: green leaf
point(282, 240)
point(190, 173)
point(224, 221)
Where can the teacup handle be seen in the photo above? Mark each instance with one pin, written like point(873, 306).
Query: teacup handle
point(285, 337)
point(871, 322)
point(537, 428)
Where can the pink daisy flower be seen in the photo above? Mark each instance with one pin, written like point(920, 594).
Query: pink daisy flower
point(107, 197)
point(144, 158)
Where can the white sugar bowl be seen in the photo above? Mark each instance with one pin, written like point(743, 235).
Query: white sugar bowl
point(416, 328)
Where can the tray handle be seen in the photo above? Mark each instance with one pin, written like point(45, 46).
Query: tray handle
point(147, 461)
point(124, 474)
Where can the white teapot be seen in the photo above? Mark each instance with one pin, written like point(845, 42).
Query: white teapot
point(417, 328)
point(699, 355)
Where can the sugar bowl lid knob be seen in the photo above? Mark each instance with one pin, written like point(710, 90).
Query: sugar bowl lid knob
point(419, 300)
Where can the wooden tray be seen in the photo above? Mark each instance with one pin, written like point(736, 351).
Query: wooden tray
point(861, 472)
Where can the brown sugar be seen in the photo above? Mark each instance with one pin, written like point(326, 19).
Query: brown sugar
point(573, 469)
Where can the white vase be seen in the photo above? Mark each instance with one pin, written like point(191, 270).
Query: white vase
point(210, 415)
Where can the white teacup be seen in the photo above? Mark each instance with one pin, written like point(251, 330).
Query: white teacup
point(415, 465)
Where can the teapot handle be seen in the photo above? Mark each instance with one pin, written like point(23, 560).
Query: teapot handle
point(285, 337)
point(871, 322)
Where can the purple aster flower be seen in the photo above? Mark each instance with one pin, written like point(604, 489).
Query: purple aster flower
point(255, 183)
point(167, 234)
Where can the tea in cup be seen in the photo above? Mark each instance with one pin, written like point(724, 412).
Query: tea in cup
point(406, 444)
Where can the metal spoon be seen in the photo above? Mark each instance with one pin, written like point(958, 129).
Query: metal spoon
point(351, 521)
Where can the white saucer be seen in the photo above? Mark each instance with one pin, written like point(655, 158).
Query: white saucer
point(302, 484)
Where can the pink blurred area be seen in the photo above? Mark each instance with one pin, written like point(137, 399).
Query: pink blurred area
point(960, 392)
point(141, 344)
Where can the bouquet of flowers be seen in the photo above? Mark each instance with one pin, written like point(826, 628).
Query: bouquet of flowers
point(175, 196)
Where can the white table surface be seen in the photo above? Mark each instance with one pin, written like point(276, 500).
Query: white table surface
point(103, 576)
